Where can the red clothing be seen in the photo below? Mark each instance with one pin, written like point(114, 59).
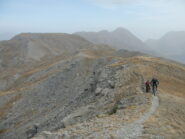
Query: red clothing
point(147, 83)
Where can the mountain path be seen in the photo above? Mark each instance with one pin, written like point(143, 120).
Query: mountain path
point(106, 128)
point(134, 130)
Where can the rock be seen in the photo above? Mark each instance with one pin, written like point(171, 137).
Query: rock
point(77, 116)
point(16, 76)
point(111, 84)
point(98, 91)
point(135, 100)
point(47, 135)
point(32, 131)
point(104, 74)
point(106, 91)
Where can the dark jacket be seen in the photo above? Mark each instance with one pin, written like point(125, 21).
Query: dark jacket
point(154, 82)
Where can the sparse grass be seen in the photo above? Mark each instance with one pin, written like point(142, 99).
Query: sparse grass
point(2, 131)
point(169, 120)
point(114, 109)
point(170, 75)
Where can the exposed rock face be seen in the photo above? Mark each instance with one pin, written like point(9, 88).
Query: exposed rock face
point(67, 87)
point(104, 100)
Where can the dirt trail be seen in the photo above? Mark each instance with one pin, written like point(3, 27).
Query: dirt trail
point(169, 121)
point(135, 129)
point(106, 128)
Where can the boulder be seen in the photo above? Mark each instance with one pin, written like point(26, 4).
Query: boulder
point(111, 84)
point(32, 131)
point(98, 91)
point(79, 115)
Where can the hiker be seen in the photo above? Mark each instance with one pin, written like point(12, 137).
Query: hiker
point(154, 83)
point(147, 86)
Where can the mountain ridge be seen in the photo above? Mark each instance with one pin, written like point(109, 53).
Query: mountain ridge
point(119, 38)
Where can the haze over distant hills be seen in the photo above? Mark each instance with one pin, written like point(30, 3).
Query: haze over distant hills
point(120, 38)
point(171, 45)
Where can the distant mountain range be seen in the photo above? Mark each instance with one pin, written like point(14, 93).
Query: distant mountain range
point(120, 39)
point(37, 46)
point(171, 45)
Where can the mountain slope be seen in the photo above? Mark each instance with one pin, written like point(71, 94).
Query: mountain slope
point(171, 45)
point(36, 47)
point(90, 91)
point(48, 92)
point(120, 39)
point(133, 106)
point(29, 50)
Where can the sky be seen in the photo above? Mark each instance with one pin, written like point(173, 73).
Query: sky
point(144, 18)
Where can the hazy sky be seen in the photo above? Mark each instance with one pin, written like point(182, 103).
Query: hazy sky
point(144, 18)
